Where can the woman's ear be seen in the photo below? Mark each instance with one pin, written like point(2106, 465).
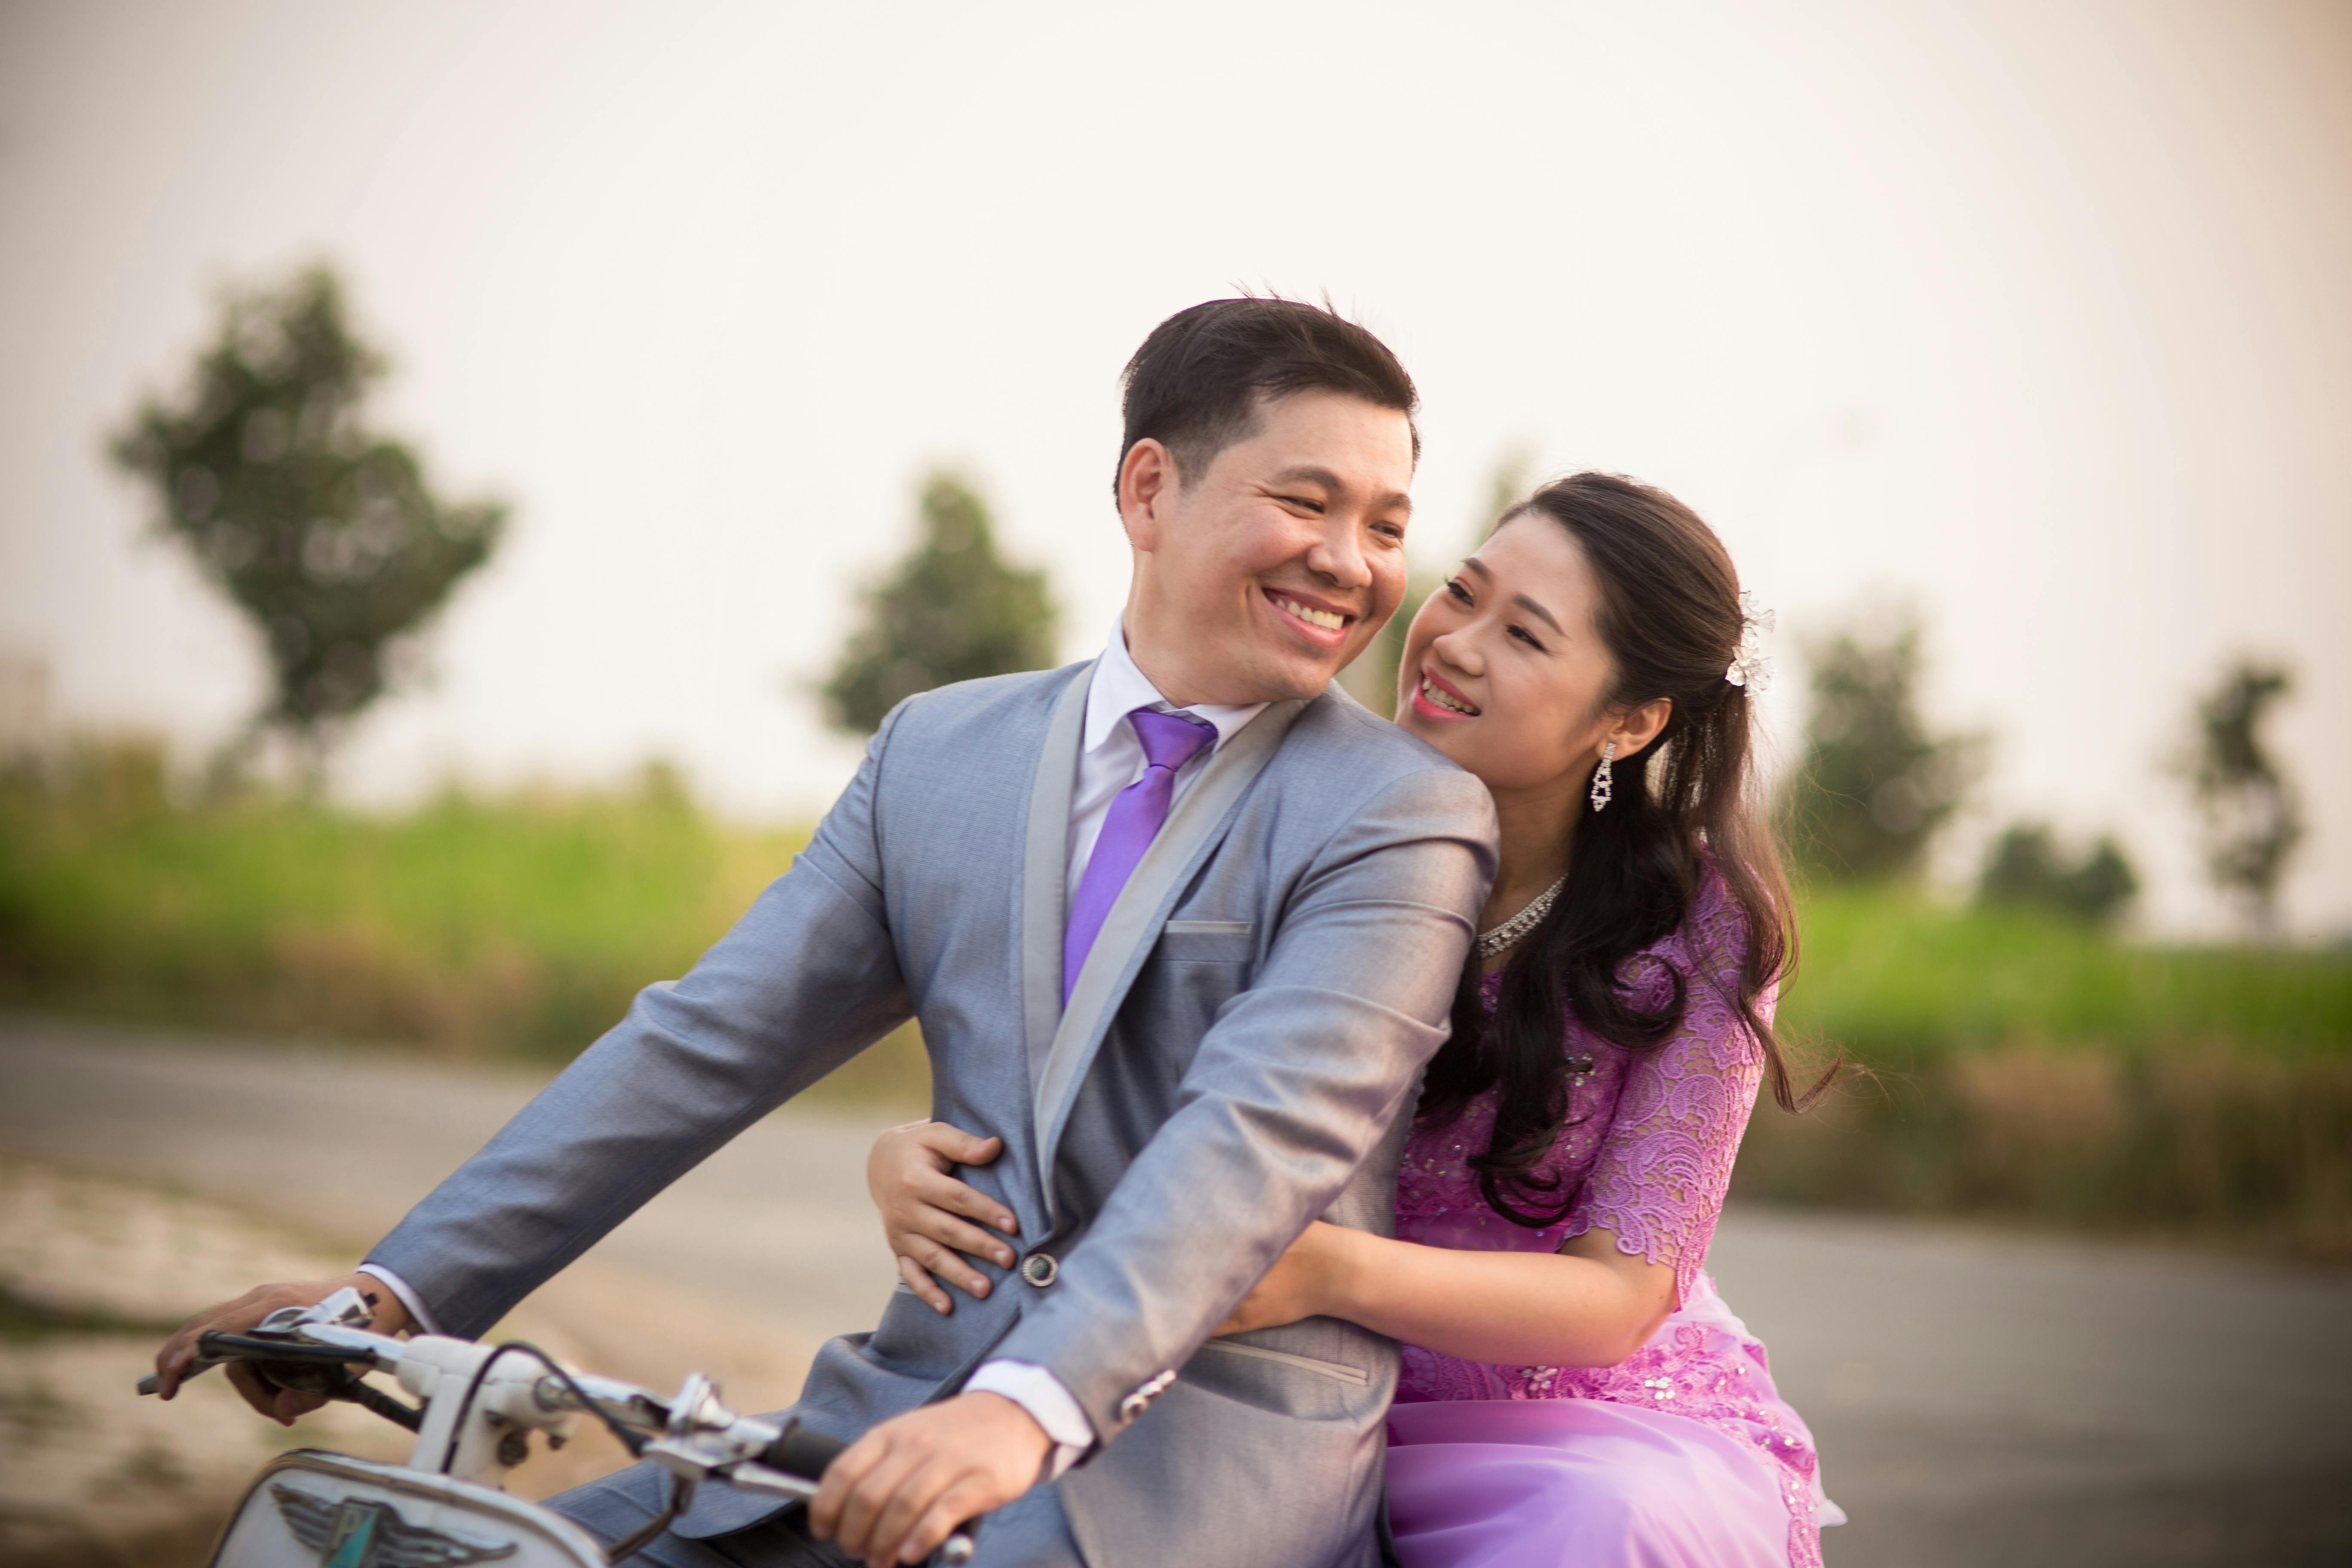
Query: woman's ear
point(1640, 726)
point(1147, 492)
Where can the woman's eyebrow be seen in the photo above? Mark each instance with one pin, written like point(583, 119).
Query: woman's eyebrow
point(1539, 612)
point(1521, 600)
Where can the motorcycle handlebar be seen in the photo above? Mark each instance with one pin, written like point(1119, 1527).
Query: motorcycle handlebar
point(797, 1451)
point(802, 1452)
point(214, 1346)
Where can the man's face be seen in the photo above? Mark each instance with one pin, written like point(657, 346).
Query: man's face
point(1259, 578)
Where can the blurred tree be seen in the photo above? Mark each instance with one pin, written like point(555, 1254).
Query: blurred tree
point(1873, 785)
point(2253, 813)
point(323, 533)
point(2026, 866)
point(952, 610)
point(1371, 677)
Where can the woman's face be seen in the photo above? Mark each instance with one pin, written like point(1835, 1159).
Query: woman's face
point(1503, 670)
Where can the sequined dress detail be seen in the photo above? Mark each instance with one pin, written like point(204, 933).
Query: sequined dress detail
point(1648, 1151)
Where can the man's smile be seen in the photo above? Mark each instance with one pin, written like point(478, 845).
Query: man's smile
point(1323, 622)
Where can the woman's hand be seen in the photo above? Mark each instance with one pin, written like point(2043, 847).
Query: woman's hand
point(1303, 1283)
point(907, 1172)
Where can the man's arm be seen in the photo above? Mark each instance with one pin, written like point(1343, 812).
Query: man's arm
point(1290, 1091)
point(806, 980)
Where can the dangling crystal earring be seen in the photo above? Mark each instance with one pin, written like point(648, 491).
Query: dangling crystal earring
point(1604, 787)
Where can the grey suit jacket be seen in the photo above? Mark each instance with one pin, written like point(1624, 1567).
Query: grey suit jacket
point(1236, 1060)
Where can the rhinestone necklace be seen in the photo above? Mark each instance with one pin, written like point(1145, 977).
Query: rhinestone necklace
point(1491, 942)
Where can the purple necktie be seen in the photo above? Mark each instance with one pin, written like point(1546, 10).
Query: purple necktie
point(1169, 740)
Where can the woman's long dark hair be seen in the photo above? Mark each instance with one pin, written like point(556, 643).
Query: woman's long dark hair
point(1671, 618)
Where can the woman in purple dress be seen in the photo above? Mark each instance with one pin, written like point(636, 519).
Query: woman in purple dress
point(1574, 1391)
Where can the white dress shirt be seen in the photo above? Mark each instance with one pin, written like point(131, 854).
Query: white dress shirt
point(1110, 758)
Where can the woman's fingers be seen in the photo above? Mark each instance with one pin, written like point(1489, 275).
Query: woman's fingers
point(957, 1146)
point(937, 1225)
point(943, 1191)
point(949, 1265)
point(918, 1279)
point(912, 1221)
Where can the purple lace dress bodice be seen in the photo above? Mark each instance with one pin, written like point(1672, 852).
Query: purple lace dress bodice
point(1647, 1150)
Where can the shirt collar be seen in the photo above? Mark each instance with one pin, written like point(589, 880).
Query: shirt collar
point(1119, 687)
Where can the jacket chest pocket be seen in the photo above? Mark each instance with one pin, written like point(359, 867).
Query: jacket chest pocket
point(1208, 941)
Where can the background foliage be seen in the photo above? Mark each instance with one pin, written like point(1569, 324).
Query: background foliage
point(951, 610)
point(323, 533)
point(2026, 865)
point(2253, 813)
point(1874, 783)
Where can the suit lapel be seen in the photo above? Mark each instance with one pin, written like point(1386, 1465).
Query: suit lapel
point(1191, 831)
point(1044, 873)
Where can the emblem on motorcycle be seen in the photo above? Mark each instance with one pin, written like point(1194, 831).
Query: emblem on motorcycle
point(358, 1533)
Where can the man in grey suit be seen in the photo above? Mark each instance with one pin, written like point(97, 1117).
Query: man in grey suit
point(1181, 925)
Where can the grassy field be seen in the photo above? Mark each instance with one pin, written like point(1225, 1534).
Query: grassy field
point(516, 926)
point(2016, 1063)
point(1887, 976)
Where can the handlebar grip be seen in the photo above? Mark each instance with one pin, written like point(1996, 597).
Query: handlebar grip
point(214, 1345)
point(802, 1452)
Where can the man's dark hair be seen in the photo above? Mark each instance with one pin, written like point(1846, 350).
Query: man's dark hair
point(1195, 385)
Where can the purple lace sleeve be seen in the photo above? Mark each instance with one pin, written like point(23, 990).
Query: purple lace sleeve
point(1659, 1178)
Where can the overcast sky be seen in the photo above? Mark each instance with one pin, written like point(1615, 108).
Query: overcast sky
point(2035, 314)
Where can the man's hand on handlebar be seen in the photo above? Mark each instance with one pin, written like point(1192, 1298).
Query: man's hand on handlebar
point(893, 1496)
point(239, 1316)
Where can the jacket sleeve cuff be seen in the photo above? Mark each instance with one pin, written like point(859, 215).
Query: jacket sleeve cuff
point(418, 1312)
point(1050, 1405)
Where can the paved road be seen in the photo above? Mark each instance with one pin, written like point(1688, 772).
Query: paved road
point(1980, 1397)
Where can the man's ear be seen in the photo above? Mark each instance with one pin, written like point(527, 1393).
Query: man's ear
point(1148, 483)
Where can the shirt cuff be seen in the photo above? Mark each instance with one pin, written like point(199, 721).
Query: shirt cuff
point(1049, 1403)
point(418, 1312)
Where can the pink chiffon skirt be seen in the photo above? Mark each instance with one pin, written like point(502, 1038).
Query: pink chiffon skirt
point(1576, 1483)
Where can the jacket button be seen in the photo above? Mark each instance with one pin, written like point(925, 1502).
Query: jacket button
point(1040, 1269)
point(1151, 1388)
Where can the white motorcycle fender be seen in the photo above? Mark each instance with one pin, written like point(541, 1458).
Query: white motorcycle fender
point(315, 1510)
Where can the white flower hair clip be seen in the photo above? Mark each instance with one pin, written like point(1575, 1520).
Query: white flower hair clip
point(1749, 667)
